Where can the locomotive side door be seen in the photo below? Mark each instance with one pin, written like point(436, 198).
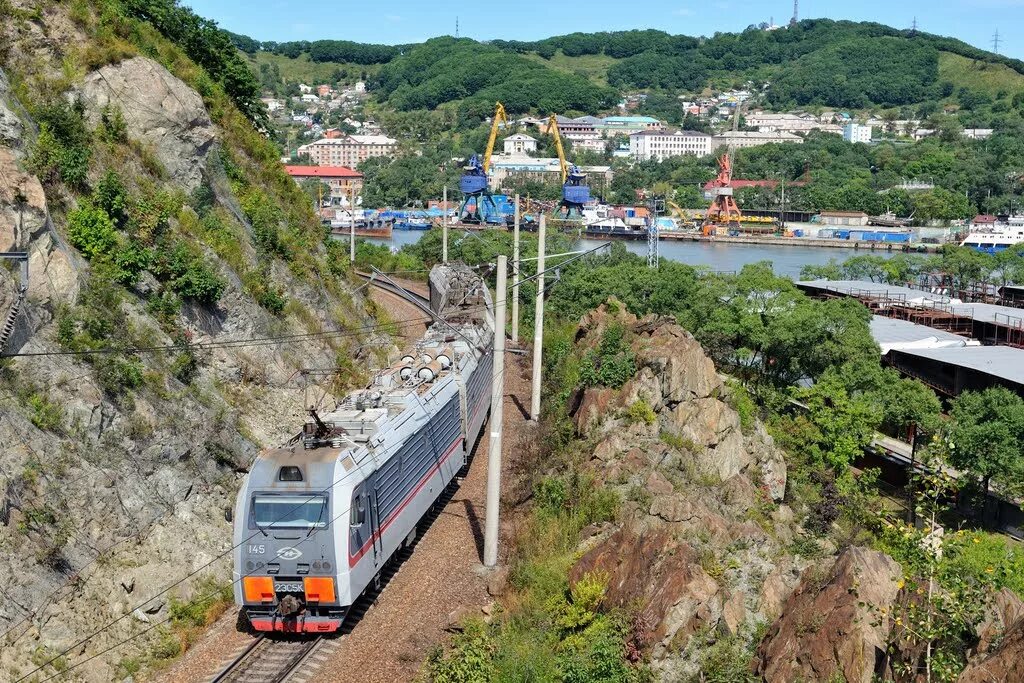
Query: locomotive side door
point(378, 541)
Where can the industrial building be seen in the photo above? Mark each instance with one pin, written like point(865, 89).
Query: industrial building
point(951, 371)
point(988, 323)
point(895, 334)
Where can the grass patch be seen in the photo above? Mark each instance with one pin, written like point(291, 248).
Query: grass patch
point(977, 75)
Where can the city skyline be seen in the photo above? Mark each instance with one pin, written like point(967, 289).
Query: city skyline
point(409, 21)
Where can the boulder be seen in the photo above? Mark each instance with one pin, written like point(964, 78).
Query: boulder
point(660, 577)
point(159, 110)
point(831, 626)
point(677, 359)
point(22, 205)
point(1004, 664)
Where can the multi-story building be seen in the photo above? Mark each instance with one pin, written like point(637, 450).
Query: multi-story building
point(341, 180)
point(662, 144)
point(767, 122)
point(741, 139)
point(520, 143)
point(349, 150)
point(856, 132)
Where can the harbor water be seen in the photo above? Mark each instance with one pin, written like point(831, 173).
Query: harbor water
point(787, 260)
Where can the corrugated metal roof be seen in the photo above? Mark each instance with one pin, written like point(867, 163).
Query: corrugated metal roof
point(322, 171)
point(874, 288)
point(892, 333)
point(1004, 362)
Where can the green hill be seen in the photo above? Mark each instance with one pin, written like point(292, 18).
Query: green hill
point(818, 62)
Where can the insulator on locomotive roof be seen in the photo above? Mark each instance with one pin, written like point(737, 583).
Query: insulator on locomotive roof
point(406, 372)
point(408, 359)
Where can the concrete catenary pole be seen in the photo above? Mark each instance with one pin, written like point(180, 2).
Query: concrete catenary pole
point(497, 399)
point(444, 226)
point(352, 223)
point(538, 323)
point(515, 275)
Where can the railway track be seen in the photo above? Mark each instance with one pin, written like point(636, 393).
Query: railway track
point(272, 660)
point(380, 283)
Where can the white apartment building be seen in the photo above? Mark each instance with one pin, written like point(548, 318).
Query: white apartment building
point(857, 132)
point(349, 150)
point(662, 144)
point(741, 139)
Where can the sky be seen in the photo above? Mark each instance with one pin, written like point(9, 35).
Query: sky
point(411, 21)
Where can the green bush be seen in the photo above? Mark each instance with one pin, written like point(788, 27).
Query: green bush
point(45, 414)
point(187, 274)
point(469, 660)
point(112, 124)
point(989, 559)
point(612, 363)
point(62, 149)
point(129, 260)
point(641, 411)
point(91, 231)
point(117, 375)
point(740, 401)
point(111, 196)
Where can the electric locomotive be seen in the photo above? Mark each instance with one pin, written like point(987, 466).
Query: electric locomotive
point(317, 518)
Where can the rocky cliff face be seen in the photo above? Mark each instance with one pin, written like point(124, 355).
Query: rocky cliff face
point(702, 544)
point(707, 554)
point(110, 497)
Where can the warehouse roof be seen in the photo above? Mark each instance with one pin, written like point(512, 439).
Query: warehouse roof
point(1004, 362)
point(864, 287)
point(892, 333)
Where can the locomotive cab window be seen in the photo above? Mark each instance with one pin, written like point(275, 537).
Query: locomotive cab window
point(358, 511)
point(290, 512)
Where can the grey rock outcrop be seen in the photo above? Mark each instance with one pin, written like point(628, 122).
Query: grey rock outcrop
point(159, 110)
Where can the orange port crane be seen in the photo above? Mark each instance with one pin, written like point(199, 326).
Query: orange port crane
point(723, 209)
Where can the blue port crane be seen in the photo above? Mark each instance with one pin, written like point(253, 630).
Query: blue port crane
point(478, 205)
point(575, 191)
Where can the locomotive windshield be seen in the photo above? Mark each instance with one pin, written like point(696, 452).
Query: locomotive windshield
point(290, 512)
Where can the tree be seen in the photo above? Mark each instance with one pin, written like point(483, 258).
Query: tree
point(986, 435)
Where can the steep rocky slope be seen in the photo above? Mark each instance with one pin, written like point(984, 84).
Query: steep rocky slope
point(118, 466)
point(706, 556)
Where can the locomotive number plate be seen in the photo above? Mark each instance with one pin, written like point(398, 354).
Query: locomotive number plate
point(288, 587)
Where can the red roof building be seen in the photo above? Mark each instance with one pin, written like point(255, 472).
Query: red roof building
point(341, 179)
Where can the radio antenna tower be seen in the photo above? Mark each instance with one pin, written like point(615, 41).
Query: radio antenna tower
point(456, 27)
point(913, 27)
point(796, 13)
point(995, 42)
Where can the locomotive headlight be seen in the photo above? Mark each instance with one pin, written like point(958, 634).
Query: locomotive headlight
point(319, 589)
point(258, 588)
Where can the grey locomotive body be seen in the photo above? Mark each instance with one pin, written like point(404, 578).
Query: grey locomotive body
point(317, 518)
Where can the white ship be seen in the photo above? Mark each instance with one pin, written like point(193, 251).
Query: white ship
point(1001, 236)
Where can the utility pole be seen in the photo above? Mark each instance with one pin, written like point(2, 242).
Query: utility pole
point(782, 211)
point(352, 223)
point(515, 275)
point(995, 42)
point(497, 398)
point(444, 227)
point(538, 322)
